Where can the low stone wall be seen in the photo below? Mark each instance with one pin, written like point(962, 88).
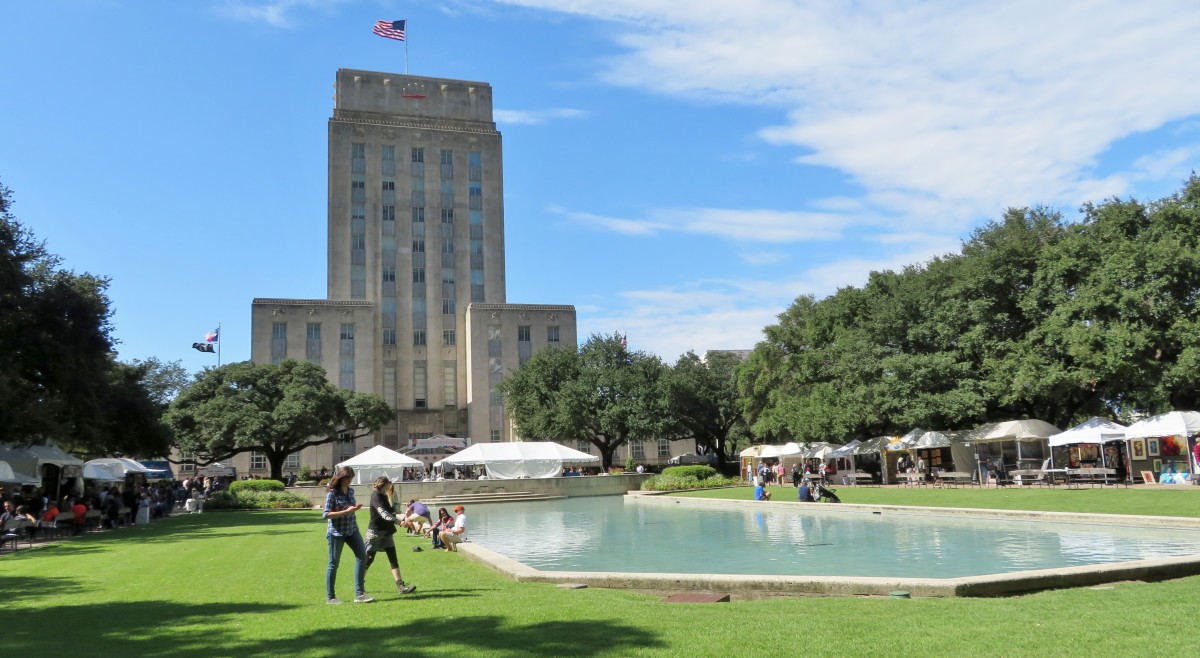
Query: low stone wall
point(572, 487)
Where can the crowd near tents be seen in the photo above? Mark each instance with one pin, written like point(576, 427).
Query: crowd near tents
point(1160, 449)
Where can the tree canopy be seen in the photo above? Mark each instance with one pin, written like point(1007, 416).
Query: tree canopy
point(272, 409)
point(702, 397)
point(602, 393)
point(59, 376)
point(1035, 317)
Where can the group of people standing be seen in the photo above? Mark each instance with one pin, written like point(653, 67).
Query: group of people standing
point(342, 531)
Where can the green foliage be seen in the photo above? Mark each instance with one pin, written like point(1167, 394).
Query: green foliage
point(305, 473)
point(667, 482)
point(602, 393)
point(273, 409)
point(704, 402)
point(255, 499)
point(630, 463)
point(59, 377)
point(256, 485)
point(697, 472)
point(1034, 318)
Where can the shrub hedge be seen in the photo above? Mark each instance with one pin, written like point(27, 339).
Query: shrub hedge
point(667, 482)
point(250, 499)
point(256, 485)
point(700, 472)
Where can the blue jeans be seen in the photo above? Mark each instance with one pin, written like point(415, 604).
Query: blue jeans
point(359, 549)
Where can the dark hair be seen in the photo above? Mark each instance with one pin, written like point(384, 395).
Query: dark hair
point(343, 473)
point(442, 512)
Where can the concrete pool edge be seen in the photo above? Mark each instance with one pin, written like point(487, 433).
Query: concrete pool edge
point(971, 586)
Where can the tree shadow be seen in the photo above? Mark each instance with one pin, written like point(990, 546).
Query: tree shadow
point(185, 526)
point(28, 588)
point(134, 628)
point(487, 635)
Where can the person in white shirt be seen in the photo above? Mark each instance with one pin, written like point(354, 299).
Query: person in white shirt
point(452, 536)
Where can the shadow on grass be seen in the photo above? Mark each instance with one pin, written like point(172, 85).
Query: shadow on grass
point(189, 526)
point(486, 635)
point(30, 588)
point(135, 628)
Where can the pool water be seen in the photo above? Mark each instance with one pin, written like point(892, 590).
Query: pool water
point(607, 534)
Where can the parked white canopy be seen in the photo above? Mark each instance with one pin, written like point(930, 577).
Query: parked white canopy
point(378, 461)
point(1172, 423)
point(1093, 430)
point(518, 459)
point(9, 476)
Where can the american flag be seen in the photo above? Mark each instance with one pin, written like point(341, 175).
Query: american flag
point(390, 29)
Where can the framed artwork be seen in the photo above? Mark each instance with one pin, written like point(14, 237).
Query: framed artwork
point(1152, 448)
point(1148, 477)
point(1089, 452)
point(1172, 446)
point(1157, 465)
point(1137, 449)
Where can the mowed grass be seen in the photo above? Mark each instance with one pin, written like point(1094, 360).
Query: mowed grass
point(1153, 501)
point(251, 584)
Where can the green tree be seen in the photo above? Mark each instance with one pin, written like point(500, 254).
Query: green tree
point(603, 393)
point(704, 402)
point(272, 409)
point(59, 378)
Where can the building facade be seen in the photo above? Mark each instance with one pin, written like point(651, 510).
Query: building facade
point(416, 308)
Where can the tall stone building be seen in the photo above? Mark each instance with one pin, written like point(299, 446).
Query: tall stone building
point(415, 308)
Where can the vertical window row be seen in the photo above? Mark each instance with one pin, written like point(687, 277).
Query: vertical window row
point(312, 343)
point(524, 344)
point(278, 342)
point(418, 250)
point(475, 208)
point(346, 356)
point(450, 384)
point(358, 221)
point(495, 365)
point(420, 380)
point(389, 383)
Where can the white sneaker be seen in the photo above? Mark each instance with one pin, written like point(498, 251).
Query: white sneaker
point(364, 598)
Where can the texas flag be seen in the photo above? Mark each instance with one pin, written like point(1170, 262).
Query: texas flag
point(213, 336)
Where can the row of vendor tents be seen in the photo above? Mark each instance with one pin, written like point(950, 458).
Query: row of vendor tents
point(1095, 431)
point(46, 465)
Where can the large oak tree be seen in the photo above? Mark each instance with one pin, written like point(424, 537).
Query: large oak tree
point(272, 409)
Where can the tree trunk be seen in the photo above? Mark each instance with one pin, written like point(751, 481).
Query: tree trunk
point(606, 454)
point(275, 460)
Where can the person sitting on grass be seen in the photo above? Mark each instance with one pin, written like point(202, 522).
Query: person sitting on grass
point(443, 523)
point(805, 493)
point(457, 533)
point(760, 492)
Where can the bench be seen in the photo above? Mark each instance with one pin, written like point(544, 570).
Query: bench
point(1091, 476)
point(911, 479)
point(953, 477)
point(857, 477)
point(1029, 476)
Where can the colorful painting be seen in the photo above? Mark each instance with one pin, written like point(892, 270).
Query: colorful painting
point(1137, 449)
point(1172, 446)
point(1089, 452)
point(1152, 448)
point(1157, 465)
point(1195, 454)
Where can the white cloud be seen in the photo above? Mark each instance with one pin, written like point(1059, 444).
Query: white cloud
point(944, 112)
point(533, 117)
point(763, 257)
point(748, 225)
point(277, 13)
point(728, 313)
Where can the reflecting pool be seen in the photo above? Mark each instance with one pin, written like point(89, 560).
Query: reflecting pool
point(608, 534)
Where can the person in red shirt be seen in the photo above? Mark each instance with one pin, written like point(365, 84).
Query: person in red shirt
point(79, 511)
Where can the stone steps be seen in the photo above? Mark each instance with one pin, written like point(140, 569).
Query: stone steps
point(495, 497)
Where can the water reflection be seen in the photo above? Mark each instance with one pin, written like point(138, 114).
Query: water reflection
point(606, 534)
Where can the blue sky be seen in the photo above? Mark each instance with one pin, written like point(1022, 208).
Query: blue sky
point(679, 171)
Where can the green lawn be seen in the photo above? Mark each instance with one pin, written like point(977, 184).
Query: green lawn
point(250, 584)
point(1181, 501)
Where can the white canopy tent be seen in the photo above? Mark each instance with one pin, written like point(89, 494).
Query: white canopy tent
point(101, 473)
point(216, 469)
point(119, 466)
point(378, 461)
point(9, 476)
point(31, 459)
point(518, 459)
point(1172, 423)
point(1093, 430)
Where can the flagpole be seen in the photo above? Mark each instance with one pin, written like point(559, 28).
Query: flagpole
point(406, 46)
point(218, 344)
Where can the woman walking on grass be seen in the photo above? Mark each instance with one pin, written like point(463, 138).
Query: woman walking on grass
point(381, 529)
point(340, 507)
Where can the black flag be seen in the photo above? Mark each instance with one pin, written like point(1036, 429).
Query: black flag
point(204, 347)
